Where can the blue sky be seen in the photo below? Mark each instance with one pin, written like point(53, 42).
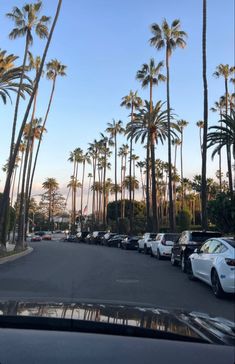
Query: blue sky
point(104, 43)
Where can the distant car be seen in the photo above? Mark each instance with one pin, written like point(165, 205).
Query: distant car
point(187, 243)
point(71, 238)
point(144, 242)
point(116, 241)
point(36, 238)
point(214, 263)
point(47, 236)
point(130, 243)
point(97, 236)
point(88, 238)
point(107, 237)
point(82, 235)
point(162, 246)
point(39, 233)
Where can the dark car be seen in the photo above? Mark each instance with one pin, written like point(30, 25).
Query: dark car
point(71, 239)
point(187, 243)
point(82, 236)
point(116, 241)
point(39, 233)
point(111, 333)
point(130, 243)
point(107, 237)
point(97, 236)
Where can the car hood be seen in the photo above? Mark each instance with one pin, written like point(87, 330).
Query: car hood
point(194, 325)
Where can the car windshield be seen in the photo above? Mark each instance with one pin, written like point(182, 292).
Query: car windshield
point(116, 157)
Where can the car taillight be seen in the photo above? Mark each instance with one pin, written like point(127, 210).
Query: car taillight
point(163, 241)
point(230, 262)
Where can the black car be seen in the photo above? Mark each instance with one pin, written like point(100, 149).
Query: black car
point(116, 241)
point(130, 243)
point(82, 235)
point(78, 332)
point(71, 239)
point(97, 236)
point(187, 243)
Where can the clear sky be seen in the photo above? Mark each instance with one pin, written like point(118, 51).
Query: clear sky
point(104, 43)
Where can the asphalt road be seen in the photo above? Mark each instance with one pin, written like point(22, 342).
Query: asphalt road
point(58, 271)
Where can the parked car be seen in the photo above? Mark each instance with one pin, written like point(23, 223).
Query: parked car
point(71, 238)
point(47, 235)
point(39, 233)
point(107, 237)
point(116, 240)
point(96, 236)
point(162, 246)
point(144, 243)
point(82, 235)
point(88, 238)
point(214, 263)
point(36, 238)
point(187, 243)
point(130, 243)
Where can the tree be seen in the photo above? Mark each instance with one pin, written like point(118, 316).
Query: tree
point(5, 198)
point(182, 124)
point(51, 187)
point(131, 101)
point(114, 129)
point(225, 71)
point(123, 153)
point(141, 166)
point(85, 159)
point(9, 76)
point(169, 37)
point(223, 136)
point(150, 75)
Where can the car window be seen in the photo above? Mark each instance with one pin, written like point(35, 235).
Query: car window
point(200, 236)
point(159, 236)
point(216, 247)
point(171, 237)
point(205, 247)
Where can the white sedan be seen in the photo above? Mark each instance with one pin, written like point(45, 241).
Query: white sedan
point(162, 246)
point(214, 263)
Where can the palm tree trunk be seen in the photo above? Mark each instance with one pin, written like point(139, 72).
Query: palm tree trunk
point(171, 206)
point(124, 188)
point(228, 146)
point(181, 169)
point(115, 181)
point(82, 188)
point(5, 198)
point(13, 187)
point(205, 127)
point(147, 188)
point(220, 161)
point(104, 192)
point(155, 224)
point(130, 172)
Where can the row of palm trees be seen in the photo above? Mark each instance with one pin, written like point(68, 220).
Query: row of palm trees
point(28, 23)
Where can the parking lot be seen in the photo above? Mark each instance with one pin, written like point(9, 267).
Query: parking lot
point(62, 271)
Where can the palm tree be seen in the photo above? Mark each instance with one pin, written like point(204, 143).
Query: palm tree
point(156, 130)
point(182, 124)
point(89, 188)
point(223, 136)
point(123, 153)
point(200, 125)
point(132, 102)
point(93, 151)
point(225, 71)
point(50, 186)
point(54, 69)
point(26, 20)
point(5, 197)
point(150, 75)
point(205, 120)
point(74, 184)
point(9, 76)
point(114, 129)
point(141, 166)
point(85, 159)
point(169, 37)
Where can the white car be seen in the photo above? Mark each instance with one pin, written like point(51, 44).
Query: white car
point(214, 263)
point(144, 243)
point(162, 246)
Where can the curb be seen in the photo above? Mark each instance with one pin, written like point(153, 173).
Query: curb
point(10, 258)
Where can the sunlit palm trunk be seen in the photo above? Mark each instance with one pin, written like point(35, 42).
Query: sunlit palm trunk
point(130, 173)
point(115, 180)
point(13, 187)
point(205, 127)
point(122, 171)
point(171, 206)
point(104, 192)
point(124, 188)
point(181, 169)
point(228, 146)
point(82, 189)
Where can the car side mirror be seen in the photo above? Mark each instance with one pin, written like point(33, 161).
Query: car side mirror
point(197, 250)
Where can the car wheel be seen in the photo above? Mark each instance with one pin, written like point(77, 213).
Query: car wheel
point(216, 285)
point(190, 274)
point(173, 261)
point(145, 250)
point(183, 263)
point(159, 257)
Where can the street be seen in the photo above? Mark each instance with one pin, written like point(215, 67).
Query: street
point(59, 271)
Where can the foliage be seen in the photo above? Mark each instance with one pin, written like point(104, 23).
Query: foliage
point(184, 219)
point(139, 209)
point(221, 212)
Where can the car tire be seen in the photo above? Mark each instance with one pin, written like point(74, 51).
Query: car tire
point(216, 285)
point(159, 257)
point(173, 261)
point(183, 263)
point(190, 274)
point(145, 249)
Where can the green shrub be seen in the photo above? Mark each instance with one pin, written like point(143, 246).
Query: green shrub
point(183, 219)
point(221, 212)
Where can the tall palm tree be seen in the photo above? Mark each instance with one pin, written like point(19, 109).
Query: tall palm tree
point(205, 118)
point(85, 159)
point(9, 76)
point(223, 136)
point(150, 75)
point(5, 197)
point(131, 101)
point(74, 185)
point(200, 125)
point(123, 153)
point(225, 71)
point(54, 69)
point(50, 186)
point(26, 20)
point(141, 166)
point(170, 37)
point(182, 124)
point(114, 128)
point(89, 188)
